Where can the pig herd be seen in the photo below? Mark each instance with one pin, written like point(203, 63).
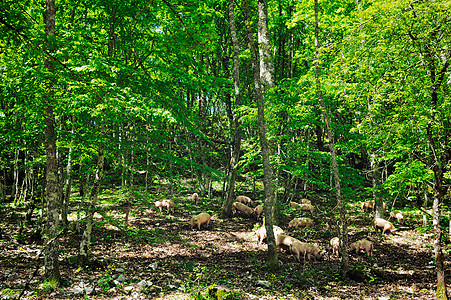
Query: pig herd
point(299, 249)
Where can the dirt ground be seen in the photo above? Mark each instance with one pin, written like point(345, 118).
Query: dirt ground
point(160, 256)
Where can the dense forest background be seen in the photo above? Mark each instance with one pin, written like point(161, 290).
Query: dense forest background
point(159, 98)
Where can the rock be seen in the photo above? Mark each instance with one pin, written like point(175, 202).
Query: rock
point(144, 284)
point(153, 266)
point(128, 288)
point(263, 283)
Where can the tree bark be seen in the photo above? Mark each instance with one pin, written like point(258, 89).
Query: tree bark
point(344, 226)
point(67, 185)
point(376, 181)
point(236, 131)
point(272, 259)
point(51, 264)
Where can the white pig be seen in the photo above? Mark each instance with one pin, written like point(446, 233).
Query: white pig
point(195, 198)
point(305, 249)
point(397, 215)
point(384, 225)
point(283, 239)
point(364, 245)
point(244, 199)
point(165, 203)
point(261, 233)
point(335, 245)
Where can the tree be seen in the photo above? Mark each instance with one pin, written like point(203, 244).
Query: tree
point(272, 260)
point(51, 263)
point(406, 60)
point(234, 119)
point(343, 220)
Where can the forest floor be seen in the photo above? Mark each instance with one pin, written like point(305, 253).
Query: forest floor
point(159, 256)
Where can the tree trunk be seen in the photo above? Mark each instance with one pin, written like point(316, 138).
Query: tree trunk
point(85, 243)
point(51, 263)
point(376, 181)
point(344, 226)
point(425, 205)
point(272, 259)
point(234, 117)
point(67, 185)
point(441, 292)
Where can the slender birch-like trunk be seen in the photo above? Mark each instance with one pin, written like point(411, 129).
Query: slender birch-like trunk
point(344, 226)
point(236, 131)
point(85, 243)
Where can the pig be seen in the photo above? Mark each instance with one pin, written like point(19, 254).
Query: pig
point(367, 206)
point(371, 205)
point(307, 207)
point(238, 206)
point(306, 249)
point(384, 225)
point(165, 203)
point(305, 201)
point(169, 204)
point(335, 245)
point(258, 211)
point(261, 233)
point(283, 239)
point(195, 198)
point(244, 199)
point(303, 207)
point(158, 204)
point(300, 223)
point(397, 215)
point(364, 245)
point(199, 220)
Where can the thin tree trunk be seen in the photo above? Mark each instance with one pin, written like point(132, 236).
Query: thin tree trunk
point(376, 181)
point(425, 205)
point(85, 243)
point(272, 259)
point(234, 116)
point(441, 292)
point(68, 185)
point(344, 226)
point(51, 264)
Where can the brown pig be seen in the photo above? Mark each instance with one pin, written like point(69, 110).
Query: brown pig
point(397, 215)
point(335, 245)
point(303, 207)
point(384, 225)
point(238, 206)
point(244, 199)
point(305, 201)
point(306, 249)
point(367, 205)
point(261, 233)
point(258, 211)
point(199, 220)
point(364, 245)
point(195, 198)
point(300, 223)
